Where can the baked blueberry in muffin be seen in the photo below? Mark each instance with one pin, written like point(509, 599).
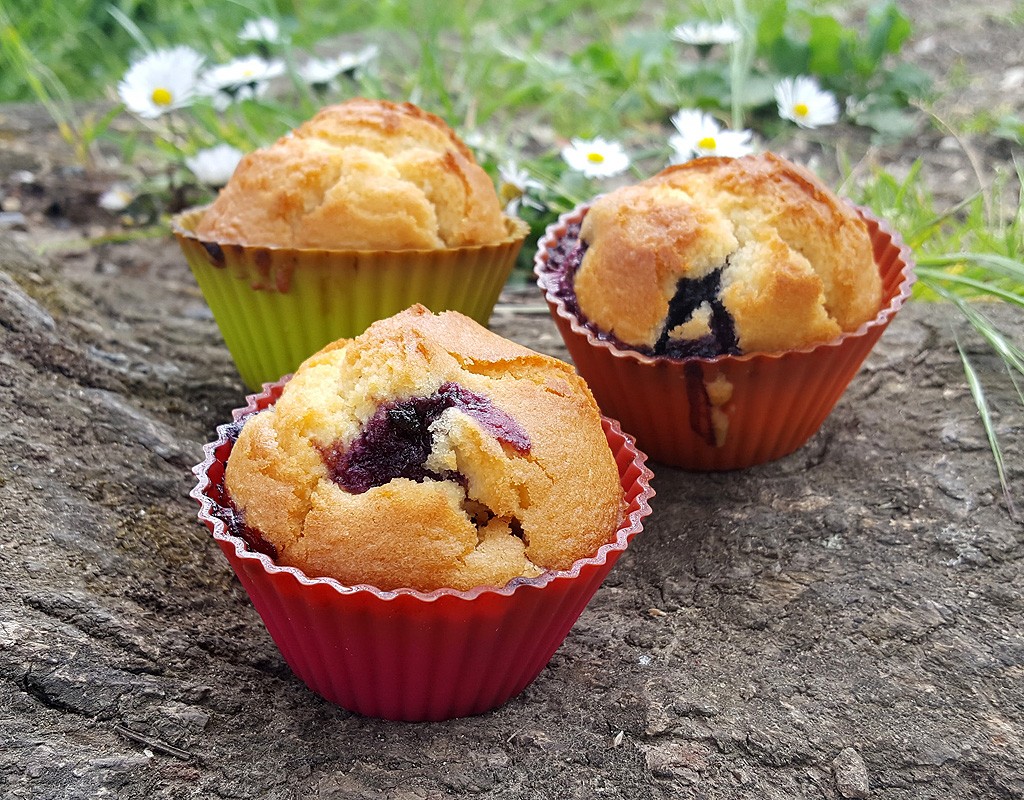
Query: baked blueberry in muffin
point(720, 256)
point(427, 452)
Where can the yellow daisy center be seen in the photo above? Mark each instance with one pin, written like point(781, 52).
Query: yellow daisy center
point(801, 109)
point(707, 143)
point(161, 96)
point(509, 192)
point(595, 158)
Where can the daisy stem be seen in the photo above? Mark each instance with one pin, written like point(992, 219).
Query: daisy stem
point(739, 64)
point(176, 136)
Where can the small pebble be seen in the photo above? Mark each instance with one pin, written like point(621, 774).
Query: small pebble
point(851, 775)
point(1013, 79)
point(13, 220)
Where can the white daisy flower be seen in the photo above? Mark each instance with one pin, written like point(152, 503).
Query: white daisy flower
point(804, 102)
point(160, 81)
point(694, 124)
point(321, 72)
point(516, 185)
point(351, 63)
point(706, 34)
point(117, 198)
point(596, 158)
point(700, 134)
point(214, 166)
point(239, 79)
point(262, 29)
point(483, 144)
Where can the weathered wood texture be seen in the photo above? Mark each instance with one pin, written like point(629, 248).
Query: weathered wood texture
point(846, 622)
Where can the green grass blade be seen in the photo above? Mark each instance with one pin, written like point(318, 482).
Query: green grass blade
point(1012, 355)
point(130, 28)
point(962, 280)
point(978, 393)
point(1007, 267)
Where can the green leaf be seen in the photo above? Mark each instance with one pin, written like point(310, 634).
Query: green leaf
point(888, 29)
point(771, 27)
point(891, 123)
point(788, 57)
point(1010, 127)
point(647, 47)
point(828, 43)
point(757, 91)
point(905, 82)
point(597, 57)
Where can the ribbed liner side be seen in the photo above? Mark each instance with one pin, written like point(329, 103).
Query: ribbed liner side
point(276, 306)
point(410, 656)
point(429, 661)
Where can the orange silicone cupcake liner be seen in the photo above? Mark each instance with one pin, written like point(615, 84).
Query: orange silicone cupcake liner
point(406, 654)
point(731, 411)
point(277, 306)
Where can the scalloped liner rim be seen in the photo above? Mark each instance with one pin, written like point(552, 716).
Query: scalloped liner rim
point(555, 231)
point(631, 526)
point(183, 225)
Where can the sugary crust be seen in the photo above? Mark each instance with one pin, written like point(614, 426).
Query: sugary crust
point(563, 494)
point(361, 175)
point(798, 263)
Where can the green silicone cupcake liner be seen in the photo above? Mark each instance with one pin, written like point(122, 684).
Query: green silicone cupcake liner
point(277, 306)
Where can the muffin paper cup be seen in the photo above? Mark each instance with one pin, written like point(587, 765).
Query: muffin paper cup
point(406, 654)
point(277, 306)
point(731, 411)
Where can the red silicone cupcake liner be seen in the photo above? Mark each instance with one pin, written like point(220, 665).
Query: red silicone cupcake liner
point(406, 654)
point(731, 411)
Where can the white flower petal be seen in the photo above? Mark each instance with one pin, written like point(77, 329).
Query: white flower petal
point(242, 71)
point(705, 34)
point(804, 102)
point(596, 158)
point(516, 186)
point(262, 29)
point(730, 144)
point(700, 134)
point(352, 62)
point(512, 174)
point(161, 81)
point(319, 71)
point(695, 124)
point(117, 198)
point(239, 79)
point(214, 166)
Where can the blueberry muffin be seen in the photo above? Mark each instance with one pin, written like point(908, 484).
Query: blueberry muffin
point(427, 452)
point(364, 210)
point(723, 256)
point(362, 175)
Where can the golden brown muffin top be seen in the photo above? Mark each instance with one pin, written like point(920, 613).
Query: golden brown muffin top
point(796, 262)
point(428, 452)
point(361, 175)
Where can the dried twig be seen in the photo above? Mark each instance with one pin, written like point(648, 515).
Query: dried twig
point(154, 744)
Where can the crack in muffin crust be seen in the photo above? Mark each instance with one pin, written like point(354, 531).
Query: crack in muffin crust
point(398, 439)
